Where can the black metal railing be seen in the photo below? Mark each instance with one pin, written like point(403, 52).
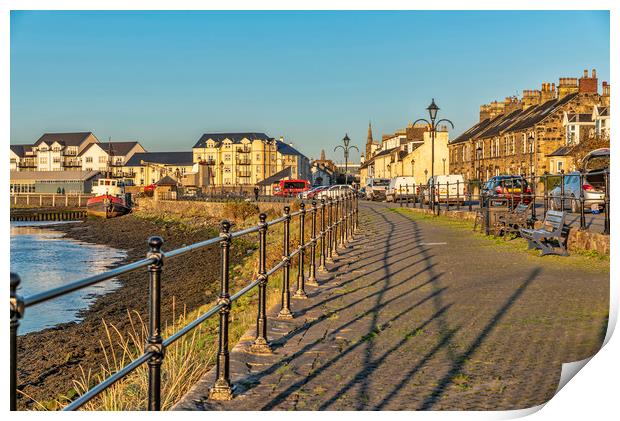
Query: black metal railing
point(547, 191)
point(337, 219)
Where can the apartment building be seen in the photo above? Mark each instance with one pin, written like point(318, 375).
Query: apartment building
point(145, 168)
point(247, 158)
point(109, 157)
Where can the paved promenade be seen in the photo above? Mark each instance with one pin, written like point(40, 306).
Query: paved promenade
point(419, 315)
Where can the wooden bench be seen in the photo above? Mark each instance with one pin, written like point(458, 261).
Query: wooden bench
point(513, 222)
point(544, 237)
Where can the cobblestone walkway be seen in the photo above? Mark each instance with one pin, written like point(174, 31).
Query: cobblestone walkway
point(418, 315)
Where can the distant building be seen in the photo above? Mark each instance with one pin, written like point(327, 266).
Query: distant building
point(323, 171)
point(407, 152)
point(108, 157)
point(72, 152)
point(247, 158)
point(146, 168)
point(70, 182)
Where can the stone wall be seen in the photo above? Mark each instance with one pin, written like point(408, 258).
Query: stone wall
point(577, 240)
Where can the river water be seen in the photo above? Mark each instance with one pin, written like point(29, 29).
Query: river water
point(44, 259)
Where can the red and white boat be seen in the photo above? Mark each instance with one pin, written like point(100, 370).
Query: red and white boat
point(109, 201)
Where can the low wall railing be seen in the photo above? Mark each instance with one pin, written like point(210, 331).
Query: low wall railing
point(564, 192)
point(333, 224)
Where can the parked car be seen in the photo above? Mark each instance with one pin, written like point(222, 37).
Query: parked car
point(507, 190)
point(335, 191)
point(447, 188)
point(400, 188)
point(311, 194)
point(593, 192)
point(376, 187)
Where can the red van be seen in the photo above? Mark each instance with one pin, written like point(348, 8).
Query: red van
point(290, 187)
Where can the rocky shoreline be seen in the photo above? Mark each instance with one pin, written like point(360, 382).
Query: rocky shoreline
point(49, 360)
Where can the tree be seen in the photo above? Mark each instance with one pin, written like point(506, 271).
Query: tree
point(591, 142)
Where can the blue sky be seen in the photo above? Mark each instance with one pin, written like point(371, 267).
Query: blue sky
point(164, 78)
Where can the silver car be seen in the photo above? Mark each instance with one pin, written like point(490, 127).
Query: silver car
point(593, 193)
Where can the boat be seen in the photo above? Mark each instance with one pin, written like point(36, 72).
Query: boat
point(109, 200)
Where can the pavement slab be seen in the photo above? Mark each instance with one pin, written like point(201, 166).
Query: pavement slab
point(416, 315)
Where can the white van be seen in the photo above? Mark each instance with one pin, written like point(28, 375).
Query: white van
point(400, 188)
point(448, 188)
point(375, 188)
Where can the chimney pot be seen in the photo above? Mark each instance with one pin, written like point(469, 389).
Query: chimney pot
point(585, 73)
point(594, 73)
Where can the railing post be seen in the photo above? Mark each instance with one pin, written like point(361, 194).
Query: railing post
point(351, 216)
point(438, 193)
point(335, 233)
point(340, 229)
point(607, 210)
point(562, 190)
point(261, 344)
point(357, 220)
point(582, 214)
point(545, 194)
point(285, 308)
point(330, 231)
point(301, 290)
point(17, 312)
point(312, 273)
point(154, 340)
point(533, 189)
point(323, 249)
point(222, 390)
point(447, 195)
point(345, 219)
point(470, 188)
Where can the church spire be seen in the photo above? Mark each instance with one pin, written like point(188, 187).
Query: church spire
point(369, 142)
point(322, 154)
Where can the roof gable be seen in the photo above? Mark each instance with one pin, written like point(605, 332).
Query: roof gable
point(166, 158)
point(67, 139)
point(218, 138)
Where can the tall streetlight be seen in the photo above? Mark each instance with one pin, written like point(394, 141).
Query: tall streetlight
point(345, 150)
point(432, 112)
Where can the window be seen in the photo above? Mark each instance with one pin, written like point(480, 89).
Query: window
point(560, 166)
point(103, 159)
point(571, 134)
point(43, 160)
point(512, 145)
point(89, 159)
point(56, 159)
point(226, 157)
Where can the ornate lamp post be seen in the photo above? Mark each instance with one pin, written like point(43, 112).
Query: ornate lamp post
point(222, 176)
point(432, 112)
point(345, 150)
point(412, 168)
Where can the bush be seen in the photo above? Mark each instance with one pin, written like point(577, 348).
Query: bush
point(240, 211)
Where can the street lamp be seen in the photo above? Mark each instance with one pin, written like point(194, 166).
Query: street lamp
point(345, 150)
point(478, 158)
point(432, 113)
point(533, 176)
point(412, 167)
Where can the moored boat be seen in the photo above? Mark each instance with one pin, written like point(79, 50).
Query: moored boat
point(109, 201)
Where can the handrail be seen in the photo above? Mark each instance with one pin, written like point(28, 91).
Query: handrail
point(337, 220)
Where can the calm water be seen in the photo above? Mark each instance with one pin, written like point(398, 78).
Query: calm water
point(44, 260)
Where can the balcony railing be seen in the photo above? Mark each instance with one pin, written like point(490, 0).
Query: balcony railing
point(244, 161)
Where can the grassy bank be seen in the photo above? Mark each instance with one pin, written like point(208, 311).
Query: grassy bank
point(581, 258)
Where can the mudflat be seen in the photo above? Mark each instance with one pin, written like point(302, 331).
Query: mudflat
point(49, 360)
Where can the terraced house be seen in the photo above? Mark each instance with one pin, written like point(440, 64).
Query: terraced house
point(533, 134)
point(248, 158)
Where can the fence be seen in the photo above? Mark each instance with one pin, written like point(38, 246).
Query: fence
point(49, 199)
point(575, 192)
point(333, 223)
